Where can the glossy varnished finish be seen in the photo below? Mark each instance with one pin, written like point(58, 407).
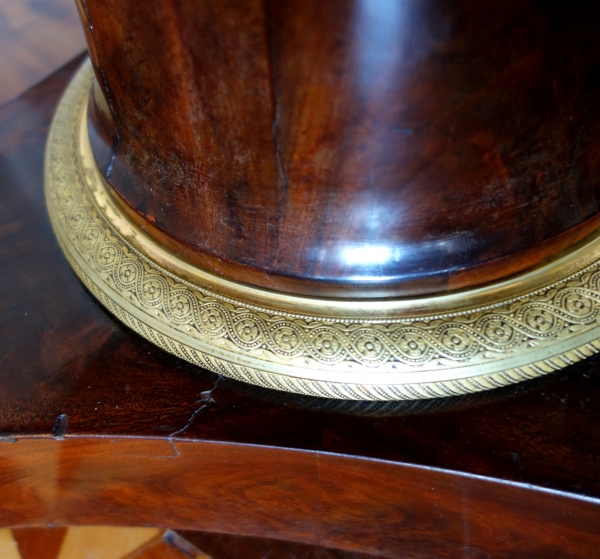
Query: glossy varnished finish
point(36, 38)
point(122, 542)
point(228, 546)
point(352, 148)
point(392, 510)
point(212, 454)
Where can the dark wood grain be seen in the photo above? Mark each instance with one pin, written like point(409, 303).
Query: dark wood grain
point(392, 510)
point(36, 38)
point(353, 148)
point(254, 462)
point(232, 546)
point(39, 543)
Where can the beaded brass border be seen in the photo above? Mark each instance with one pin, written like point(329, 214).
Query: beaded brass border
point(384, 350)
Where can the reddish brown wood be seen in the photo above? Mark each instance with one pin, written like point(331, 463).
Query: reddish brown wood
point(388, 509)
point(229, 546)
point(36, 38)
point(353, 148)
point(255, 462)
point(39, 543)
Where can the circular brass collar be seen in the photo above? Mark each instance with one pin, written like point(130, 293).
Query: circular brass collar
point(445, 345)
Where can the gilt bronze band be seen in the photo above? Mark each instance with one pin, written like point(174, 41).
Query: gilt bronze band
point(446, 345)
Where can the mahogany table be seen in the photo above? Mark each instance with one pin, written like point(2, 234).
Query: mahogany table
point(35, 39)
point(98, 426)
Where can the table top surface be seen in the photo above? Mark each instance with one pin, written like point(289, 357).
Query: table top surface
point(62, 353)
point(69, 370)
point(35, 39)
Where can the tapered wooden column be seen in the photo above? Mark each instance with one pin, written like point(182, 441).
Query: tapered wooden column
point(330, 171)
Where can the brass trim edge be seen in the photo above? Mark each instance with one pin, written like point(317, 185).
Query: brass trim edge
point(461, 343)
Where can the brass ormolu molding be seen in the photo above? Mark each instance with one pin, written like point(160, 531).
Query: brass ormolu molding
point(448, 345)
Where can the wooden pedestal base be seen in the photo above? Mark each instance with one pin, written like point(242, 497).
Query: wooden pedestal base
point(99, 426)
point(455, 343)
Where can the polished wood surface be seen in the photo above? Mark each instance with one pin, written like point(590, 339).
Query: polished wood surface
point(352, 148)
point(228, 546)
point(96, 542)
point(98, 425)
point(125, 542)
point(392, 510)
point(39, 543)
point(36, 38)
